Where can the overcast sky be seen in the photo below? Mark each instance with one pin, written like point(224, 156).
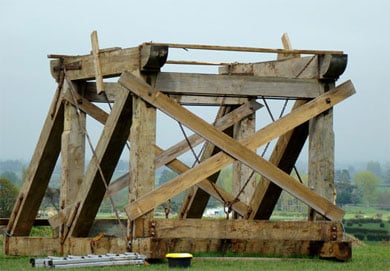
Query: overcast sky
point(30, 30)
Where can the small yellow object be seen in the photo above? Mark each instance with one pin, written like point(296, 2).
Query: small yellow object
point(179, 259)
point(179, 255)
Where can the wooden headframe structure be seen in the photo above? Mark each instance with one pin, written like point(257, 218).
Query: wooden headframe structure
point(143, 88)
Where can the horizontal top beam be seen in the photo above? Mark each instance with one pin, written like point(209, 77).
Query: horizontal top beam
point(245, 49)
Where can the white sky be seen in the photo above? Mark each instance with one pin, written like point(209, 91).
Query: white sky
point(30, 30)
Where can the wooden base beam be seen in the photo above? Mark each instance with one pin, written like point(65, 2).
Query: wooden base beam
point(157, 248)
point(40, 246)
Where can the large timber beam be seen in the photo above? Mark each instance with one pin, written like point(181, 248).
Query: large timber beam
point(233, 229)
point(313, 67)
point(110, 88)
point(239, 150)
point(39, 171)
point(107, 152)
point(113, 62)
point(235, 85)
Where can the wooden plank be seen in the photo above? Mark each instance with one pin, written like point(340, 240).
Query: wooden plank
point(235, 85)
point(96, 61)
point(244, 229)
point(321, 153)
point(244, 181)
point(39, 171)
point(220, 123)
point(111, 88)
point(72, 155)
point(107, 153)
point(113, 62)
point(43, 246)
point(244, 154)
point(205, 100)
point(157, 248)
point(244, 49)
point(314, 67)
point(32, 246)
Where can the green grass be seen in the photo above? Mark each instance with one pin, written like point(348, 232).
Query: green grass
point(372, 257)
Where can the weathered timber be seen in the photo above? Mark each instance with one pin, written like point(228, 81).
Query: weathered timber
point(284, 156)
point(244, 179)
point(107, 153)
point(96, 62)
point(72, 154)
point(113, 62)
point(142, 155)
point(221, 124)
point(157, 248)
point(39, 171)
point(122, 181)
point(111, 88)
point(244, 49)
point(240, 151)
point(39, 246)
point(236, 85)
point(233, 229)
point(314, 67)
point(321, 153)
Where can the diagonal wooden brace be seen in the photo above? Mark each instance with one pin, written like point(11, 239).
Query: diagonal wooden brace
point(237, 150)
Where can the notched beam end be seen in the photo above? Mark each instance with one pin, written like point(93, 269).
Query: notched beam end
point(332, 66)
point(152, 57)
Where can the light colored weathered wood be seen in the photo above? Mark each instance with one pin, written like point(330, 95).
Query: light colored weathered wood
point(72, 154)
point(39, 171)
point(113, 62)
point(244, 182)
point(107, 153)
point(221, 124)
point(235, 85)
point(240, 151)
point(40, 246)
point(313, 67)
point(205, 100)
point(244, 49)
point(110, 88)
point(96, 61)
point(234, 229)
point(321, 153)
point(157, 248)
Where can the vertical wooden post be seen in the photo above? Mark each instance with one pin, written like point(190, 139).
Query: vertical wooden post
point(241, 130)
point(321, 152)
point(142, 153)
point(72, 156)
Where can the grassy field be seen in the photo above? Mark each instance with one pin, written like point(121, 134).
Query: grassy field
point(372, 257)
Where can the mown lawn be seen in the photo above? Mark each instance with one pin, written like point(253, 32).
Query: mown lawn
point(373, 257)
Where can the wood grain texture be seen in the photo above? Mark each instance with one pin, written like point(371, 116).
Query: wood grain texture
point(235, 86)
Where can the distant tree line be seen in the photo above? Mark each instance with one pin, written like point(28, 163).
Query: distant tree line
point(369, 186)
